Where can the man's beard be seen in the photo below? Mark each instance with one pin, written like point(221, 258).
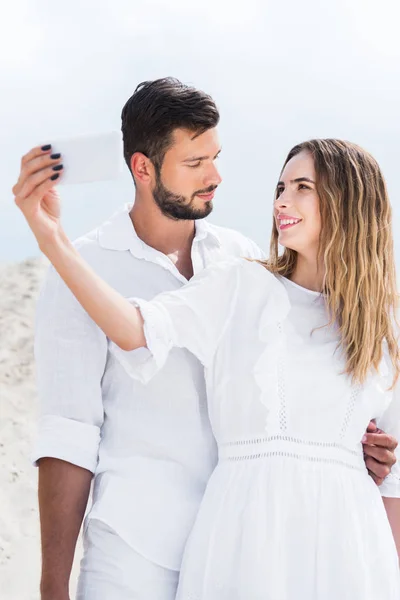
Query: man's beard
point(178, 207)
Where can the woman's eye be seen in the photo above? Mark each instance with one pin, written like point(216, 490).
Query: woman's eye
point(303, 187)
point(279, 191)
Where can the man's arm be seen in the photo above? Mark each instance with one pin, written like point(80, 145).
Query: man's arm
point(63, 494)
point(70, 354)
point(379, 452)
point(390, 489)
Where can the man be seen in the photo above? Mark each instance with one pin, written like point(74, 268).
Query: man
point(150, 448)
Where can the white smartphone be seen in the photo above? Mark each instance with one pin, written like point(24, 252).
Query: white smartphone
point(90, 158)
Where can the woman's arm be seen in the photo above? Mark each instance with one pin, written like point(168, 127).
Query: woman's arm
point(40, 204)
point(117, 317)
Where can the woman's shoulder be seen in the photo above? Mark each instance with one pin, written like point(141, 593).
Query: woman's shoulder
point(258, 285)
point(222, 269)
point(258, 271)
point(240, 268)
point(238, 277)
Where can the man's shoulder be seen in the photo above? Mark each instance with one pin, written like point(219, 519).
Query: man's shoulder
point(110, 235)
point(235, 243)
point(88, 244)
point(97, 247)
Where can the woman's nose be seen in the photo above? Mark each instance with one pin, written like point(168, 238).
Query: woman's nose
point(283, 201)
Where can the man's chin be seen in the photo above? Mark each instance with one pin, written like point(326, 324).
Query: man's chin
point(186, 213)
point(203, 212)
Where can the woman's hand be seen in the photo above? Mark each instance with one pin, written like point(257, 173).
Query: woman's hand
point(36, 196)
point(40, 204)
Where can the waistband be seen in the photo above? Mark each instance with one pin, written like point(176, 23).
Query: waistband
point(270, 447)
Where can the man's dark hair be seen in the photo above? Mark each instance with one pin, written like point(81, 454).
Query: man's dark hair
point(156, 109)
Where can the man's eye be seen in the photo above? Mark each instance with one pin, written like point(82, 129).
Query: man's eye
point(194, 166)
point(279, 191)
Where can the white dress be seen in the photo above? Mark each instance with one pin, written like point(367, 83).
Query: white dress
point(290, 512)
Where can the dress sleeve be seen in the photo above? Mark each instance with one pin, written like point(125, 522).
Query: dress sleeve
point(194, 317)
point(389, 422)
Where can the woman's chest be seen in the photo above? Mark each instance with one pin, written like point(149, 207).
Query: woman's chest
point(287, 377)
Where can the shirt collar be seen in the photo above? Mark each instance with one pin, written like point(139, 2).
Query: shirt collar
point(118, 233)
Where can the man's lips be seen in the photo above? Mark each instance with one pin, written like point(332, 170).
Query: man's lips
point(207, 197)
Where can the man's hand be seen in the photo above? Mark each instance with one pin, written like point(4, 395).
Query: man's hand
point(379, 454)
point(35, 195)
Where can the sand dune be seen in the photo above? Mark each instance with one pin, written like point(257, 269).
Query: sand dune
point(19, 523)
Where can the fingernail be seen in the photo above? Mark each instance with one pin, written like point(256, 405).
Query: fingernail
point(46, 147)
point(55, 156)
point(364, 439)
point(54, 177)
point(58, 167)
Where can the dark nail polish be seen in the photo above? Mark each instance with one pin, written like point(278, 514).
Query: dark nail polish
point(55, 156)
point(46, 147)
point(54, 177)
point(58, 167)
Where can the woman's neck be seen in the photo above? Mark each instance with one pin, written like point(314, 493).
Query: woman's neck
point(308, 273)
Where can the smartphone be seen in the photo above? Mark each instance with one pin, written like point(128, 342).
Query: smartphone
point(90, 158)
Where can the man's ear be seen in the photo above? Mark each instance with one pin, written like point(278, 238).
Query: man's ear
point(142, 168)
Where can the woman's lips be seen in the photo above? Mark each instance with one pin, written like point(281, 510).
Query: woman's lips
point(288, 226)
point(286, 222)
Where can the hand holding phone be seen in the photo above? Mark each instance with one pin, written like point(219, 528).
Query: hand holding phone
point(90, 158)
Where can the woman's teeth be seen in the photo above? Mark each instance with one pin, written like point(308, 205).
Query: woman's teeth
point(289, 221)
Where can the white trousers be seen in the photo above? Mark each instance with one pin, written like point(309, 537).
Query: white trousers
point(112, 570)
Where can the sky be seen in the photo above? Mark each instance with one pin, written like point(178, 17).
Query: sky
point(280, 72)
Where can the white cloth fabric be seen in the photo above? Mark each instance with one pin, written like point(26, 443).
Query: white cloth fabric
point(151, 447)
point(112, 570)
point(290, 512)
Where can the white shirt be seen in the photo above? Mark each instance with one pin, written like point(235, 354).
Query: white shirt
point(150, 446)
point(290, 501)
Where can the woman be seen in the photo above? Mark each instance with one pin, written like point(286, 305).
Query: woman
point(300, 353)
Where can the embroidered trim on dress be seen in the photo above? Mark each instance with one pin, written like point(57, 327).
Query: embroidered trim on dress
point(313, 459)
point(350, 409)
point(286, 438)
point(281, 385)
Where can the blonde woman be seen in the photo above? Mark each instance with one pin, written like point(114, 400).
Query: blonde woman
point(300, 352)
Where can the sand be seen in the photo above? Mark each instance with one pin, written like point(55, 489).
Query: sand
point(19, 521)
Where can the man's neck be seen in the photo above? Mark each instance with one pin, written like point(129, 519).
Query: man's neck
point(166, 235)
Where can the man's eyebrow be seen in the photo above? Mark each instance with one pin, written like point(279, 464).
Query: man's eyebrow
point(297, 180)
point(199, 158)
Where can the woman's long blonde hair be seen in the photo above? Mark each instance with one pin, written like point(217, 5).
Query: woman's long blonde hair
point(356, 247)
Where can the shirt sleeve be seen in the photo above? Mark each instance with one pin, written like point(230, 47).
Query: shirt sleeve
point(70, 353)
point(194, 317)
point(389, 422)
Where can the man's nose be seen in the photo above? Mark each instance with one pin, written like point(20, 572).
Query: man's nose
point(213, 176)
